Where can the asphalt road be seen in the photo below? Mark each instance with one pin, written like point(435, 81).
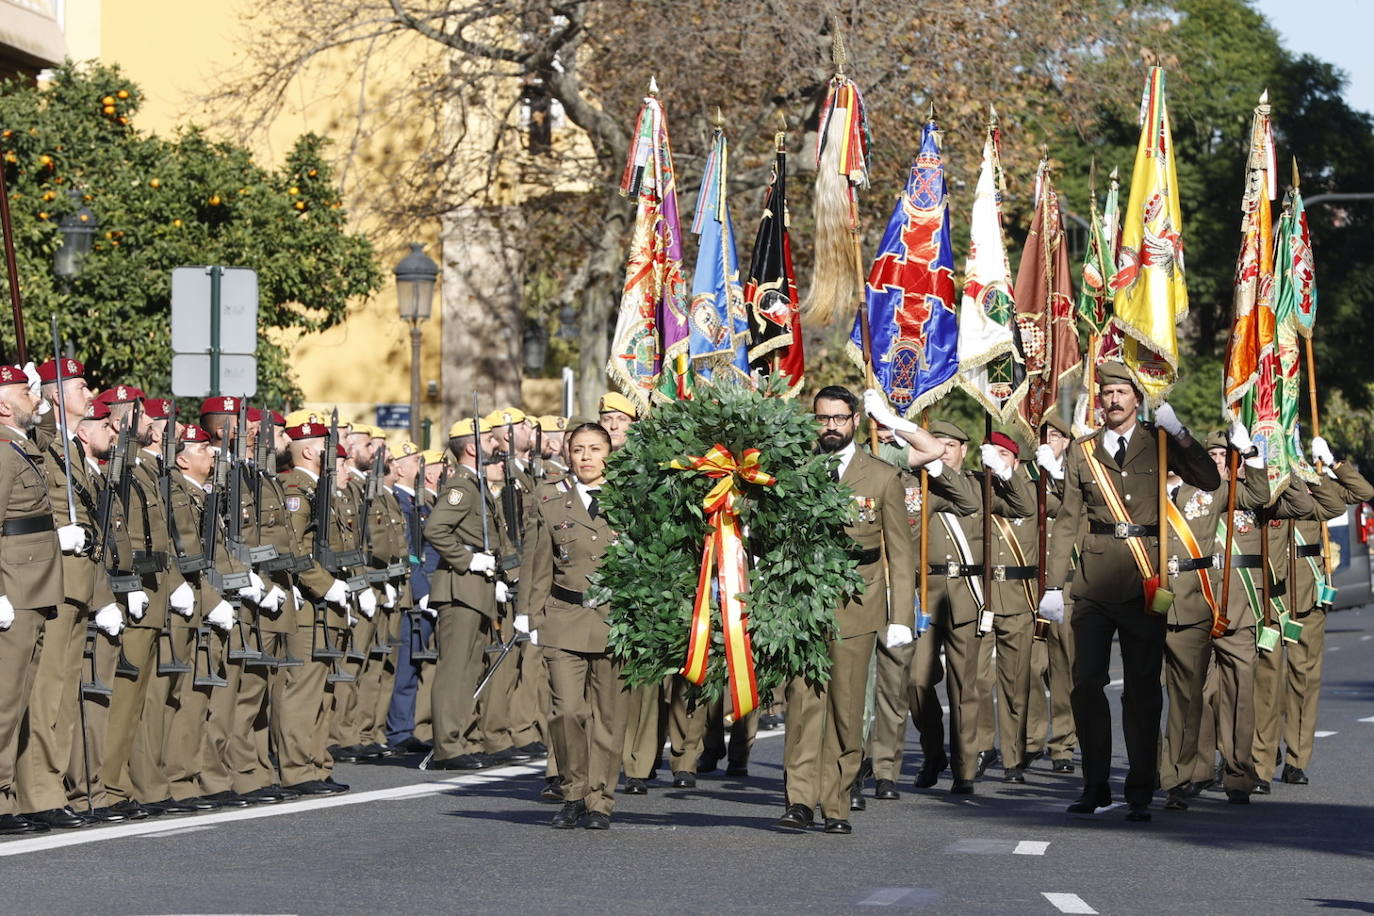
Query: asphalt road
point(404, 842)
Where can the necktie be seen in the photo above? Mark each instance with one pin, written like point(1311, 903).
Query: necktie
point(594, 507)
point(1121, 452)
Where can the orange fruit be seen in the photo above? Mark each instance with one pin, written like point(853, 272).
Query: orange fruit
point(154, 183)
point(108, 100)
point(214, 200)
point(123, 93)
point(109, 109)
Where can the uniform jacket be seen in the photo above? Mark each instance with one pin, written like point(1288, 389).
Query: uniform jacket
point(564, 546)
point(1202, 509)
point(454, 530)
point(83, 580)
point(878, 519)
point(30, 564)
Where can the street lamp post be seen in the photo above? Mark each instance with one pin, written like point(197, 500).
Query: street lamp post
point(78, 231)
point(416, 277)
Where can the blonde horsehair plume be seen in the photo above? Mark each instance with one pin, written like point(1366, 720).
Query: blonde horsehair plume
point(834, 284)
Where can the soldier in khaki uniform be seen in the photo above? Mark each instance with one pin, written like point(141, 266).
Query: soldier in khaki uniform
point(46, 748)
point(1109, 590)
point(551, 464)
point(1052, 657)
point(1287, 691)
point(895, 682)
point(467, 589)
point(390, 552)
point(30, 578)
point(1188, 639)
point(417, 627)
point(824, 740)
point(568, 537)
point(306, 692)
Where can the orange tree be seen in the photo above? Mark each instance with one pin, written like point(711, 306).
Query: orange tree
point(162, 203)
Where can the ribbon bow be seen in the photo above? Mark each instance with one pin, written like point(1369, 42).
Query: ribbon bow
point(724, 549)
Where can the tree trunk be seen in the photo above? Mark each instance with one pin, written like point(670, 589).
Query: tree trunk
point(600, 304)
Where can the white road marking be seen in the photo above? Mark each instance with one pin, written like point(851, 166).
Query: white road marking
point(1366, 638)
point(1323, 734)
point(885, 896)
point(1031, 848)
point(1333, 648)
point(1368, 719)
point(1068, 903)
point(191, 828)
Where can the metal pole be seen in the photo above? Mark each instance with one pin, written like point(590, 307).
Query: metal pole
point(12, 273)
point(415, 336)
point(215, 273)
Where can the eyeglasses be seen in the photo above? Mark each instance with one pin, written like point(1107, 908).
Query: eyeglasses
point(833, 419)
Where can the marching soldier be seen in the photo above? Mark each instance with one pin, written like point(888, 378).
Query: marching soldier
point(552, 464)
point(895, 671)
point(1111, 486)
point(467, 591)
point(824, 741)
point(568, 538)
point(390, 550)
point(417, 628)
point(1286, 694)
point(30, 578)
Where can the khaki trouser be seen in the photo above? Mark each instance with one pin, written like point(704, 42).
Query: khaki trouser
point(823, 746)
point(496, 708)
point(686, 726)
point(147, 768)
point(1270, 686)
point(1229, 691)
point(1187, 651)
point(126, 711)
point(587, 724)
point(375, 733)
point(892, 672)
point(1012, 633)
point(85, 785)
point(1303, 690)
point(986, 739)
point(19, 652)
point(1052, 669)
point(246, 744)
point(462, 637)
point(529, 703)
point(298, 704)
point(45, 747)
point(645, 724)
point(962, 648)
point(344, 724)
point(188, 711)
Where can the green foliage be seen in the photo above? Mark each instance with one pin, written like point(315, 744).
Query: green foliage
point(802, 572)
point(161, 204)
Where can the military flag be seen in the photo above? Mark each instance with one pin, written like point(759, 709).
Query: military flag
point(1294, 312)
point(651, 329)
point(910, 292)
point(991, 366)
point(1149, 290)
point(1095, 297)
point(718, 338)
point(1251, 379)
point(770, 291)
point(1044, 306)
point(842, 144)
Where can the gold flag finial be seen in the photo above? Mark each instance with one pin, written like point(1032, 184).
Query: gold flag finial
point(1296, 180)
point(718, 122)
point(992, 116)
point(837, 53)
point(1113, 177)
point(1092, 180)
point(930, 110)
point(780, 136)
point(653, 85)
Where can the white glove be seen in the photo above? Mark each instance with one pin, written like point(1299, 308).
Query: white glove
point(1321, 451)
point(502, 592)
point(482, 563)
point(71, 538)
point(897, 635)
point(221, 616)
point(522, 623)
point(35, 383)
point(426, 609)
point(1167, 420)
point(1240, 437)
point(534, 637)
point(1051, 463)
point(993, 462)
point(390, 595)
point(138, 603)
point(877, 409)
point(6, 608)
point(253, 590)
point(1052, 605)
point(337, 593)
point(108, 620)
point(272, 601)
point(935, 468)
point(296, 593)
point(183, 600)
point(367, 603)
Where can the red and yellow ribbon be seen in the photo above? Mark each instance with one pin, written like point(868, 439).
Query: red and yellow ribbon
point(724, 550)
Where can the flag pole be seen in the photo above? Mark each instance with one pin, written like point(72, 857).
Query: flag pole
point(1316, 414)
point(1220, 623)
point(1041, 629)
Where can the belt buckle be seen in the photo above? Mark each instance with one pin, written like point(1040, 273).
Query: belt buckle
point(1173, 566)
point(999, 574)
point(952, 570)
point(1122, 530)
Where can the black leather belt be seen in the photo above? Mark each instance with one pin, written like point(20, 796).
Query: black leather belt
point(1014, 573)
point(957, 570)
point(149, 562)
point(1309, 550)
point(568, 595)
point(1123, 530)
point(1245, 561)
point(31, 525)
point(864, 557)
point(1188, 564)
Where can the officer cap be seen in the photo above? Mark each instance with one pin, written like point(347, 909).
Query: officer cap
point(614, 400)
point(947, 430)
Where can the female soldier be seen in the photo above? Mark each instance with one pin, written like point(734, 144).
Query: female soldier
point(562, 613)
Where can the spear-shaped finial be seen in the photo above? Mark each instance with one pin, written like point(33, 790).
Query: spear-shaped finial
point(1113, 177)
point(930, 110)
point(653, 85)
point(1296, 180)
point(1092, 180)
point(992, 117)
point(837, 53)
point(780, 136)
point(718, 122)
point(1264, 102)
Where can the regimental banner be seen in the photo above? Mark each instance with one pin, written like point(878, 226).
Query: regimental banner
point(718, 338)
point(991, 367)
point(1150, 293)
point(770, 291)
point(1293, 304)
point(910, 291)
point(651, 329)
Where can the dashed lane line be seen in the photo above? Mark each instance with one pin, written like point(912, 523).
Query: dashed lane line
point(1068, 903)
